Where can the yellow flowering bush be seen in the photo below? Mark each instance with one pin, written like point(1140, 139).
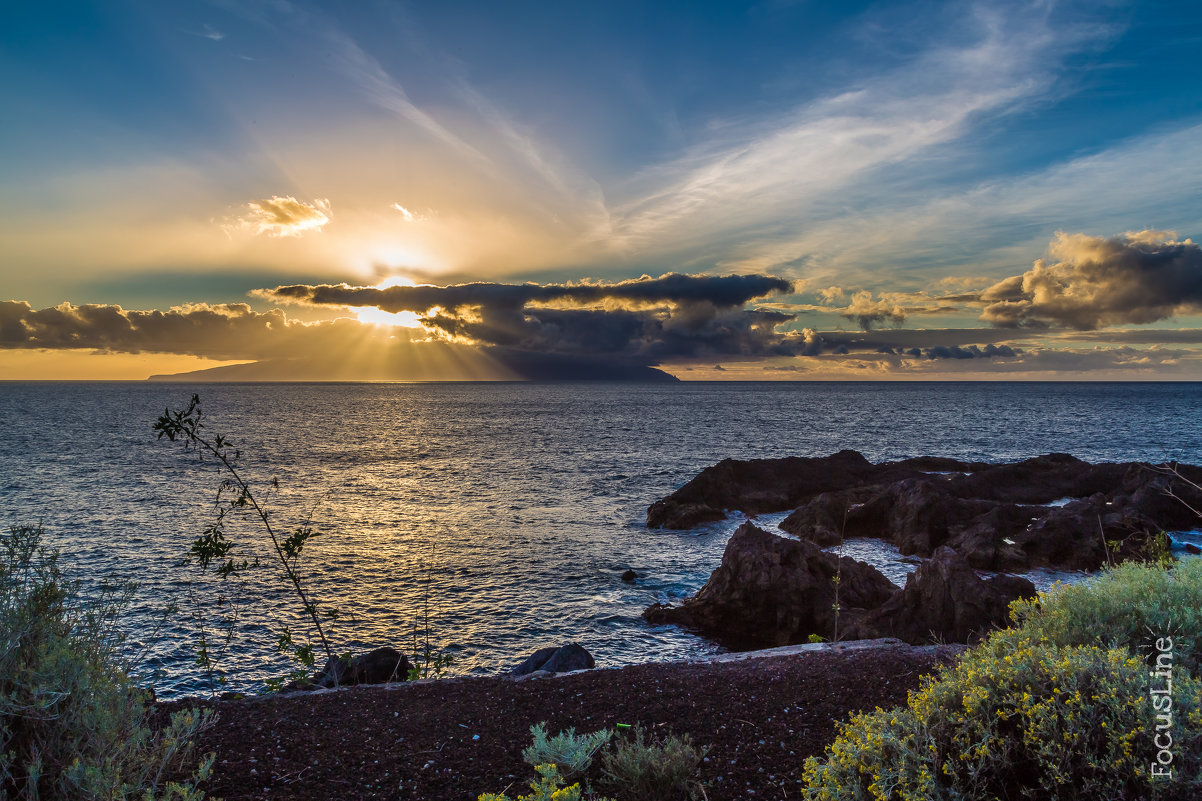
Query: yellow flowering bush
point(545, 788)
point(1019, 718)
point(1128, 606)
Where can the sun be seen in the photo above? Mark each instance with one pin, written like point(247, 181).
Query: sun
point(370, 315)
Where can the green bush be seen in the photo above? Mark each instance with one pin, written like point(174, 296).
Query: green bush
point(1019, 719)
point(1129, 606)
point(571, 753)
point(663, 770)
point(72, 724)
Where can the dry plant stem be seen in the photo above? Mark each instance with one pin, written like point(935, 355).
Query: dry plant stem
point(186, 425)
point(1105, 545)
point(839, 572)
point(244, 488)
point(1174, 470)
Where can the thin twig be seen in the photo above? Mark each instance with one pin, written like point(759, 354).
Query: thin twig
point(1105, 545)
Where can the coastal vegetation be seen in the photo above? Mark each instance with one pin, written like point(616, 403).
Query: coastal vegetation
point(1128, 607)
point(548, 786)
point(571, 753)
point(643, 767)
point(1068, 704)
point(637, 767)
point(72, 722)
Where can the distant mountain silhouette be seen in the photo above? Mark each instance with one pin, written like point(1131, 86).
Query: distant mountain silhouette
point(437, 362)
point(536, 366)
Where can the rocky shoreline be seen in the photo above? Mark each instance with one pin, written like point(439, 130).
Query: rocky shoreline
point(1050, 511)
point(760, 712)
point(771, 591)
point(1040, 512)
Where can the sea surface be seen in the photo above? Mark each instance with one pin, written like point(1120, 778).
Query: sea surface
point(502, 514)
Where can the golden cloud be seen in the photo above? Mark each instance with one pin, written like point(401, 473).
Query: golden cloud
point(284, 216)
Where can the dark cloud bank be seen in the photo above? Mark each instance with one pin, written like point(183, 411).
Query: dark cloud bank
point(618, 331)
point(586, 330)
point(647, 320)
point(623, 330)
point(283, 350)
point(590, 331)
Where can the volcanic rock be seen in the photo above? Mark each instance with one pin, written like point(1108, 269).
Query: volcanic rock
point(772, 591)
point(943, 601)
point(997, 515)
point(556, 659)
point(823, 519)
point(378, 666)
point(769, 485)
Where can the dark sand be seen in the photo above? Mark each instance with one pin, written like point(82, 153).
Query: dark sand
point(457, 738)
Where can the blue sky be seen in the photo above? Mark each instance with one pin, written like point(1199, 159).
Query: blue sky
point(159, 154)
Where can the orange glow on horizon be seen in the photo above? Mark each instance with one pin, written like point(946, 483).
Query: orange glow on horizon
point(91, 365)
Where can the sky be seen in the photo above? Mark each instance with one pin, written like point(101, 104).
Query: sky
point(786, 189)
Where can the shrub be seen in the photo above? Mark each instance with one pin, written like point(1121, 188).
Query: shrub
point(1129, 606)
point(1018, 719)
point(215, 552)
point(663, 770)
point(572, 753)
point(72, 724)
point(546, 788)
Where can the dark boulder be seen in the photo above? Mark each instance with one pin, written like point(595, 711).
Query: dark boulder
point(767, 485)
point(534, 661)
point(1159, 494)
point(823, 519)
point(771, 591)
point(556, 660)
point(1088, 533)
point(378, 666)
point(943, 601)
point(916, 515)
point(988, 541)
point(920, 515)
point(629, 576)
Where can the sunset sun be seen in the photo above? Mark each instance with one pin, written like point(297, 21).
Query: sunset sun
point(370, 315)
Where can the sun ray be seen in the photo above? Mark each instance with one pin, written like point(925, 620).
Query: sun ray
point(370, 315)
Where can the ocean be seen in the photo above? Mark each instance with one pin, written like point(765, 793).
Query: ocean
point(511, 509)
